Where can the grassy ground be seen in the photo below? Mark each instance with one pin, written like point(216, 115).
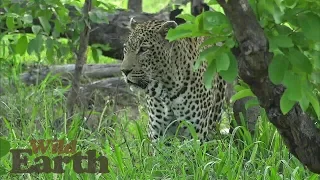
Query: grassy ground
point(30, 113)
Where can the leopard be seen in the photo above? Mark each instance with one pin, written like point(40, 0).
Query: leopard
point(174, 89)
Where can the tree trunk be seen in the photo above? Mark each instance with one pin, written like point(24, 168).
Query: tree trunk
point(196, 7)
point(297, 129)
point(135, 5)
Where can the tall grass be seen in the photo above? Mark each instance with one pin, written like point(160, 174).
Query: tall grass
point(30, 113)
point(33, 112)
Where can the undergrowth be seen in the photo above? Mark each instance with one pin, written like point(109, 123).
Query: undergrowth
point(31, 112)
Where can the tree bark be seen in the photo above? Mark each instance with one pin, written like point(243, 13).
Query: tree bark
point(196, 7)
point(135, 5)
point(297, 129)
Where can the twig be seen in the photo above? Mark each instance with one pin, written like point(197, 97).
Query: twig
point(81, 60)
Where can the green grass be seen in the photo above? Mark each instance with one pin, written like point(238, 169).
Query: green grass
point(29, 114)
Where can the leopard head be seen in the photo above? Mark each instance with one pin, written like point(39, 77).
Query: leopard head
point(147, 54)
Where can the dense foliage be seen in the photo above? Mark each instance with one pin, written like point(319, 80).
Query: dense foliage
point(29, 112)
point(292, 28)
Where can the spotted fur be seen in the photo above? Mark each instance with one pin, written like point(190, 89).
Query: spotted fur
point(174, 91)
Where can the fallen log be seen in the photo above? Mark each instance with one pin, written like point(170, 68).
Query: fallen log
point(36, 75)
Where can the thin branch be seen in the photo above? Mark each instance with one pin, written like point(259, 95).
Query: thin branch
point(81, 60)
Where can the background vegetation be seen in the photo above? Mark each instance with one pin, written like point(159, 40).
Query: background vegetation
point(29, 112)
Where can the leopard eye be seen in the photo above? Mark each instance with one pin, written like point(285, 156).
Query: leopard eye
point(144, 48)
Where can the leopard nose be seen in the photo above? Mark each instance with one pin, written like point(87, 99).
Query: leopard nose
point(126, 71)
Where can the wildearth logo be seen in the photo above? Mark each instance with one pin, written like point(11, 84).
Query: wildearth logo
point(45, 164)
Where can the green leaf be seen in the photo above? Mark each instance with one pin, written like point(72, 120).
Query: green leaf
point(241, 94)
point(36, 29)
point(293, 83)
point(22, 45)
point(304, 102)
point(280, 41)
point(5, 147)
point(283, 29)
point(95, 55)
point(212, 2)
point(187, 17)
point(27, 19)
point(239, 88)
point(204, 55)
point(45, 24)
point(285, 103)
point(3, 171)
point(10, 22)
point(213, 19)
point(277, 69)
point(209, 74)
point(310, 25)
point(31, 46)
point(199, 22)
point(314, 101)
point(35, 45)
point(300, 40)
point(49, 43)
point(231, 73)
point(251, 103)
point(299, 60)
point(104, 47)
point(179, 32)
point(230, 43)
point(50, 55)
point(222, 62)
point(291, 3)
point(213, 40)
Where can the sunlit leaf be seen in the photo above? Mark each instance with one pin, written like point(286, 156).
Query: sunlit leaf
point(95, 55)
point(242, 94)
point(181, 31)
point(10, 22)
point(22, 45)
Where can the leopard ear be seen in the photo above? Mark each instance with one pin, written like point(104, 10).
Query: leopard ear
point(132, 24)
point(163, 30)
